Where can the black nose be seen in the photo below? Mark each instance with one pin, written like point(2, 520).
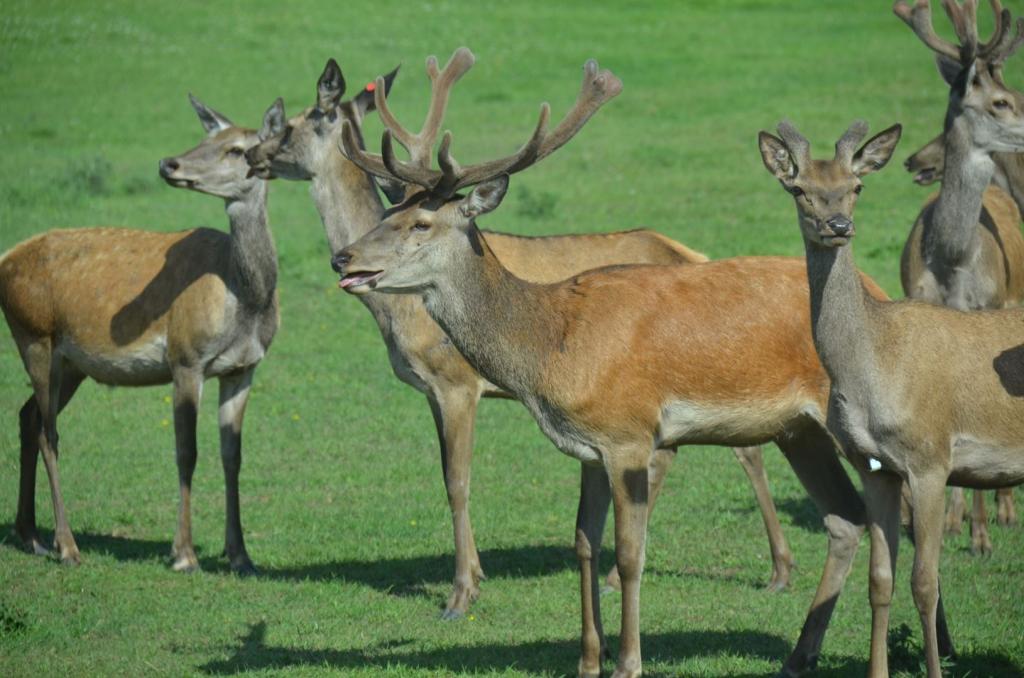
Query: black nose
point(340, 260)
point(168, 166)
point(906, 163)
point(839, 225)
point(250, 156)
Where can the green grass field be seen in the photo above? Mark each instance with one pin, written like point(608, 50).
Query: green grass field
point(342, 496)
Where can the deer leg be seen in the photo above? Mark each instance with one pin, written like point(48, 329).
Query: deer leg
point(31, 427)
point(928, 497)
point(234, 394)
point(454, 413)
point(629, 484)
point(1006, 514)
point(595, 495)
point(981, 544)
point(188, 386)
point(882, 494)
point(812, 456)
point(752, 461)
point(955, 511)
point(46, 372)
point(657, 469)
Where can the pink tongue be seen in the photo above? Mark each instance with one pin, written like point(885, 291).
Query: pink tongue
point(349, 281)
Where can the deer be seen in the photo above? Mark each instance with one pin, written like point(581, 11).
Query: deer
point(618, 362)
point(926, 165)
point(921, 394)
point(138, 308)
point(966, 249)
point(421, 354)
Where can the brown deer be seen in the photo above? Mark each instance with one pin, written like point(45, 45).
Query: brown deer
point(921, 394)
point(966, 250)
point(137, 308)
point(927, 165)
point(618, 362)
point(420, 353)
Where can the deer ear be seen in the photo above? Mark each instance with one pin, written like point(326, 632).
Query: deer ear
point(484, 197)
point(776, 157)
point(365, 100)
point(330, 87)
point(875, 153)
point(273, 120)
point(211, 120)
point(950, 69)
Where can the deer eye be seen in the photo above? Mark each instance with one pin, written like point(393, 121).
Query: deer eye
point(796, 191)
point(1001, 103)
point(860, 187)
point(420, 227)
point(236, 151)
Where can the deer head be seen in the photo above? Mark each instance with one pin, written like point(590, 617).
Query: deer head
point(308, 141)
point(436, 226)
point(928, 163)
point(217, 166)
point(825, 191)
point(993, 112)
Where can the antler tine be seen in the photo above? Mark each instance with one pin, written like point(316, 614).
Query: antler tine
point(847, 143)
point(1002, 25)
point(352, 148)
point(965, 24)
point(598, 88)
point(1005, 41)
point(919, 18)
point(409, 172)
point(528, 154)
point(796, 142)
point(420, 145)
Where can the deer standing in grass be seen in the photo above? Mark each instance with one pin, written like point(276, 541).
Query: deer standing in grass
point(923, 394)
point(966, 250)
point(420, 353)
point(619, 362)
point(138, 308)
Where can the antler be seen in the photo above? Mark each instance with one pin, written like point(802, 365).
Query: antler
point(964, 17)
point(597, 88)
point(919, 18)
point(847, 144)
point(420, 146)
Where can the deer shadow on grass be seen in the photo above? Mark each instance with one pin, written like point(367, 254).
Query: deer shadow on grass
point(252, 653)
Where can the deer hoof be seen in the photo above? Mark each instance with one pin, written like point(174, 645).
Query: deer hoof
point(243, 567)
point(71, 559)
point(185, 564)
point(452, 615)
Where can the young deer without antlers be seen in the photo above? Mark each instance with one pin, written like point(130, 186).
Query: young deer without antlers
point(966, 250)
point(420, 353)
point(136, 308)
point(618, 362)
point(892, 406)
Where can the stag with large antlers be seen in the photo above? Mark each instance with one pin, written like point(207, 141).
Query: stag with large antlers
point(616, 363)
point(900, 415)
point(420, 353)
point(136, 308)
point(966, 250)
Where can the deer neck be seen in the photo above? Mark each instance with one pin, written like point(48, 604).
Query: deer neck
point(253, 257)
point(500, 323)
point(952, 236)
point(347, 201)
point(841, 320)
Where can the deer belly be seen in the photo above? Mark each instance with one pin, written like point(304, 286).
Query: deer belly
point(689, 422)
point(139, 364)
point(986, 464)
